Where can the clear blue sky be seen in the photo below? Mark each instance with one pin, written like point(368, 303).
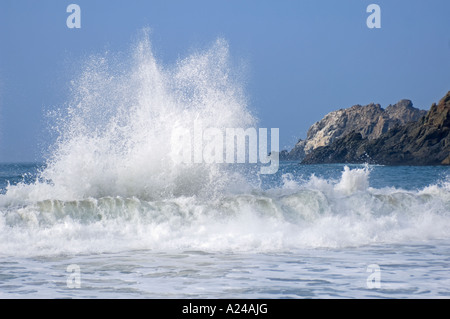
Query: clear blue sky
point(305, 58)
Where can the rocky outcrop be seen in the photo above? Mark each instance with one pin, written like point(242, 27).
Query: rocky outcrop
point(423, 142)
point(370, 121)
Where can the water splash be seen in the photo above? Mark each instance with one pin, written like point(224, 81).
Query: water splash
point(115, 136)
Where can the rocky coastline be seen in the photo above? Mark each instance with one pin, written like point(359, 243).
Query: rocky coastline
point(398, 135)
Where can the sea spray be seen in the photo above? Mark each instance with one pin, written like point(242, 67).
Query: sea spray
point(115, 137)
point(354, 180)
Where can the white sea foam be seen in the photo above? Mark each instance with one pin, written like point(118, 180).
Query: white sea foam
point(316, 214)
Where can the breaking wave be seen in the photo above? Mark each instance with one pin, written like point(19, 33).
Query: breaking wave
point(308, 214)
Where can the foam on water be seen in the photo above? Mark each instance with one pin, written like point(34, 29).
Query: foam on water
point(110, 184)
point(314, 213)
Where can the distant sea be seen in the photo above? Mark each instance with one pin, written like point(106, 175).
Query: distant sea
point(309, 231)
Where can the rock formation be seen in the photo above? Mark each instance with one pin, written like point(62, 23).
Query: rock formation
point(423, 142)
point(370, 121)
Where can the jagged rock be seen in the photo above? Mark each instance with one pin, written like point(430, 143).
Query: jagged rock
point(370, 121)
point(404, 112)
point(423, 142)
point(343, 150)
point(446, 161)
point(283, 155)
point(297, 153)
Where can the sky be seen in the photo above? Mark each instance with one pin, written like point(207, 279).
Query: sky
point(304, 58)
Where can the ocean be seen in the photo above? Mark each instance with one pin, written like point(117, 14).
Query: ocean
point(309, 231)
point(110, 214)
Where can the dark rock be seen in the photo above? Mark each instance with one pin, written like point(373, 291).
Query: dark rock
point(283, 156)
point(424, 142)
point(370, 121)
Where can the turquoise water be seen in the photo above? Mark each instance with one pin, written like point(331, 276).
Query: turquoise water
point(306, 232)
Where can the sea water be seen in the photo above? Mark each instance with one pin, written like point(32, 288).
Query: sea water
point(108, 214)
point(314, 234)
